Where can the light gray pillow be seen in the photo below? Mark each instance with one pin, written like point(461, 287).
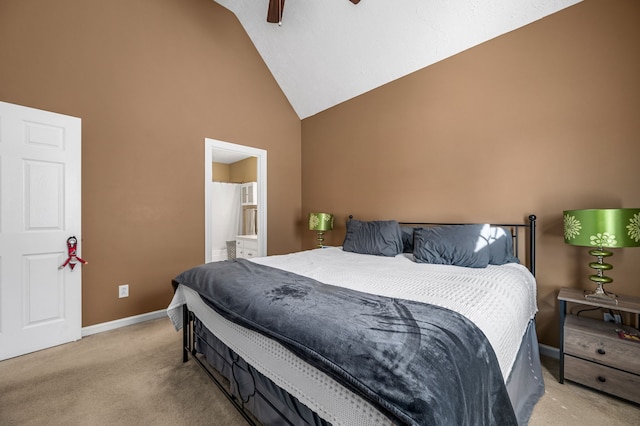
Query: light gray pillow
point(380, 238)
point(501, 247)
point(460, 245)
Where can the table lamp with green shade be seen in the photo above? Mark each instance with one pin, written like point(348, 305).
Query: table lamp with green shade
point(602, 229)
point(320, 222)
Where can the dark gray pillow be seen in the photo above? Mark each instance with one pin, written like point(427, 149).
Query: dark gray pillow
point(460, 245)
point(380, 238)
point(501, 247)
point(407, 239)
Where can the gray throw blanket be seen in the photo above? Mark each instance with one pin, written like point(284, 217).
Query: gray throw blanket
point(419, 364)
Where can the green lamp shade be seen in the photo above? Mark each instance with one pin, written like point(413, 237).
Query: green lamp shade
point(320, 221)
point(602, 227)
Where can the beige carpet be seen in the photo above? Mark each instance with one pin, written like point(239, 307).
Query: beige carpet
point(135, 376)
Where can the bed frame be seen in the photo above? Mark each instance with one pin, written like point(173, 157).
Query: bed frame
point(522, 234)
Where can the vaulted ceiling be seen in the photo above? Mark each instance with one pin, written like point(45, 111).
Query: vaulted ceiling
point(325, 52)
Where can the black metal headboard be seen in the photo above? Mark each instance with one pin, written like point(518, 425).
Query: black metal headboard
point(528, 229)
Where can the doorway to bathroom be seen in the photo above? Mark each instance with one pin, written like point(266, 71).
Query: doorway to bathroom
point(235, 201)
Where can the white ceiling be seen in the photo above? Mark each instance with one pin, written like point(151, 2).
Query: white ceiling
point(329, 51)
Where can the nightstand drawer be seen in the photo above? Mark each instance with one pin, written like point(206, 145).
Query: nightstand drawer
point(598, 341)
point(610, 380)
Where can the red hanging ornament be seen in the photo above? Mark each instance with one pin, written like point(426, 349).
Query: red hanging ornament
point(73, 258)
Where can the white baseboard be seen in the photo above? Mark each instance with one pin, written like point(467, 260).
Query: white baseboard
point(549, 351)
point(123, 322)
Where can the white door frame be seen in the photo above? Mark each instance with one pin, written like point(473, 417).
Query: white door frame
point(261, 154)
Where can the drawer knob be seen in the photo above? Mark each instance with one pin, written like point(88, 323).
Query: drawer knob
point(602, 379)
point(601, 351)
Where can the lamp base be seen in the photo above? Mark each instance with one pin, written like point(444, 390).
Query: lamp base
point(601, 295)
point(320, 239)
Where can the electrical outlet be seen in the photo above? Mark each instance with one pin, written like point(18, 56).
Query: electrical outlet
point(123, 291)
point(608, 317)
point(618, 318)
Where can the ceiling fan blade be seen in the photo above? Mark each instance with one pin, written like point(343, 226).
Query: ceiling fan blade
point(274, 14)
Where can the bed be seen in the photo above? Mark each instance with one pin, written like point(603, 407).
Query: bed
point(421, 323)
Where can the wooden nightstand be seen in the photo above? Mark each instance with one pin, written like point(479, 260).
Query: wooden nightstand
point(592, 353)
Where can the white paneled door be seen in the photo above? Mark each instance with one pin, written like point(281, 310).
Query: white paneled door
point(40, 163)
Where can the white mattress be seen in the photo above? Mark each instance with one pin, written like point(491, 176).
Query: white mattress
point(500, 300)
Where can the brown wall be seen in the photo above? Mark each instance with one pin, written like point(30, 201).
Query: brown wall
point(239, 172)
point(151, 79)
point(542, 119)
point(244, 170)
point(220, 172)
